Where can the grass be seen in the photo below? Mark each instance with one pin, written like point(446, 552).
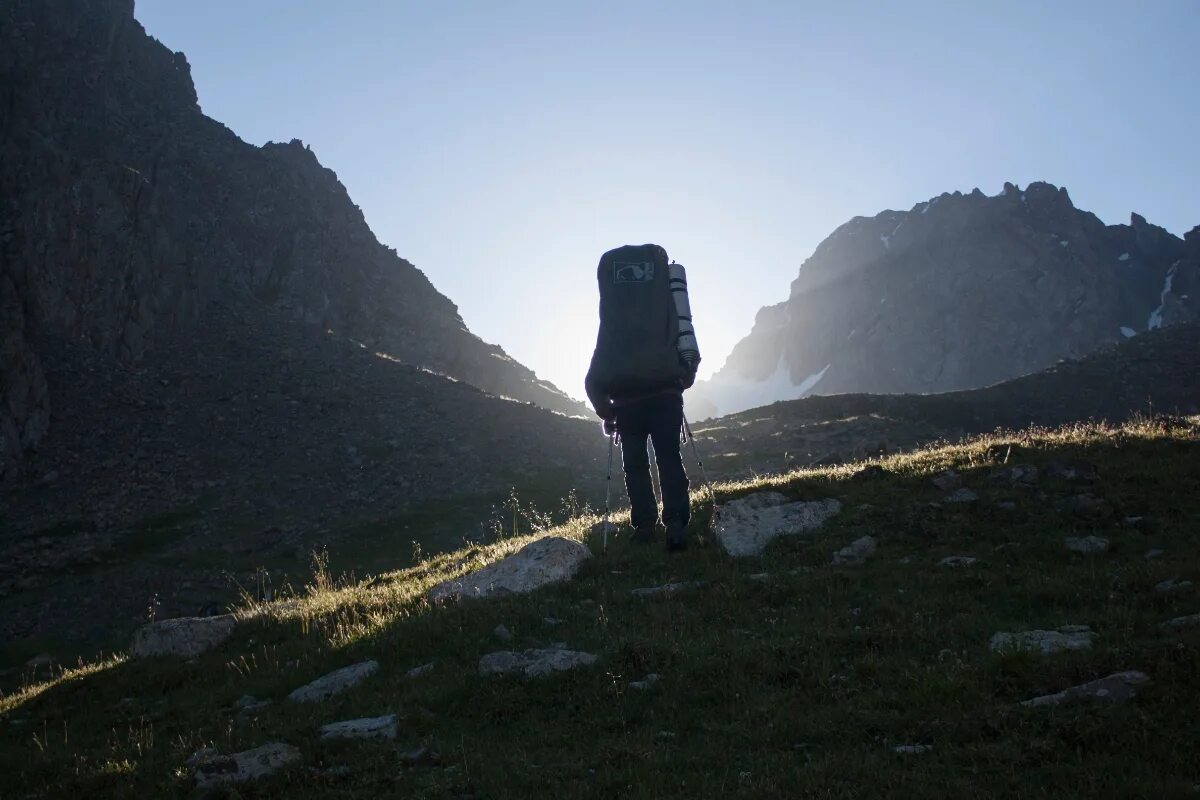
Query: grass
point(799, 685)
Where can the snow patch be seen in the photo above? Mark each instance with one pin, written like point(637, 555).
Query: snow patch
point(884, 238)
point(808, 383)
point(1123, 257)
point(1155, 320)
point(1128, 333)
point(731, 395)
point(1063, 242)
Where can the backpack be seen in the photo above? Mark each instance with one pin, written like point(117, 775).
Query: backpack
point(637, 346)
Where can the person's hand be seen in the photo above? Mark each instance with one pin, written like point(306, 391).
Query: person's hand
point(609, 426)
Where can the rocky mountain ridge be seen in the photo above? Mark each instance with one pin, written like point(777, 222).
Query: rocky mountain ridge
point(127, 214)
point(960, 292)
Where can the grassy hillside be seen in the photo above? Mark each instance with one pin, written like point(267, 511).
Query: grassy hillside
point(797, 682)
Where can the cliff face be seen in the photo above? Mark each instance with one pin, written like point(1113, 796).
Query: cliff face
point(127, 214)
point(960, 292)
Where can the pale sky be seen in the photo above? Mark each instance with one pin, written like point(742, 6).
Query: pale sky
point(503, 146)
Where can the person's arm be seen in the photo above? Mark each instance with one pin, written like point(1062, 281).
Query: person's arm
point(598, 395)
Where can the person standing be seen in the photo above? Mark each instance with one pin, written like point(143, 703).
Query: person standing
point(646, 356)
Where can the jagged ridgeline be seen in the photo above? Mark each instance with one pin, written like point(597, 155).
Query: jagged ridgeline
point(960, 292)
point(128, 215)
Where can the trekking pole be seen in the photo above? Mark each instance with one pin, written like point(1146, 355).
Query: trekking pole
point(703, 473)
point(612, 437)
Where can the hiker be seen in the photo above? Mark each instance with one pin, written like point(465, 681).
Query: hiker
point(646, 356)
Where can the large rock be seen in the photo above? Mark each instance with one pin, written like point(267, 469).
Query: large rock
point(549, 560)
point(856, 553)
point(533, 663)
point(185, 636)
point(1116, 688)
point(245, 766)
point(747, 525)
point(1068, 637)
point(366, 728)
point(334, 683)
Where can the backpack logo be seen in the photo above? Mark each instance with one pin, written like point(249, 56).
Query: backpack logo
point(633, 271)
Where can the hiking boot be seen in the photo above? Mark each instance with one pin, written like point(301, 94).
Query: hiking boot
point(644, 534)
point(676, 536)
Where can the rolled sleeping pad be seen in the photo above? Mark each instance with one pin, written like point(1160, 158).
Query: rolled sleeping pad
point(689, 350)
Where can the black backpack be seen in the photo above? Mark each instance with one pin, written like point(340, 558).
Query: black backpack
point(636, 349)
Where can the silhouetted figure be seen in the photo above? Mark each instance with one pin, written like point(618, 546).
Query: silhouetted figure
point(646, 356)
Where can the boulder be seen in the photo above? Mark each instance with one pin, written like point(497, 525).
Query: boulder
point(245, 766)
point(1172, 585)
point(1180, 623)
point(185, 636)
point(855, 553)
point(1116, 688)
point(334, 683)
point(1068, 637)
point(533, 663)
point(746, 526)
point(366, 728)
point(548, 560)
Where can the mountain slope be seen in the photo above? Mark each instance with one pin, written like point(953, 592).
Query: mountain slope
point(959, 292)
point(126, 214)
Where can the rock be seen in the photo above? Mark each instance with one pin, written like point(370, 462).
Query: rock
point(502, 633)
point(420, 757)
point(1006, 505)
point(646, 682)
point(551, 622)
point(957, 561)
point(912, 749)
point(760, 577)
point(1116, 688)
point(1180, 623)
point(746, 526)
point(248, 704)
point(1086, 505)
point(665, 590)
point(1018, 474)
point(1072, 470)
point(246, 766)
point(334, 683)
point(871, 472)
point(185, 636)
point(421, 671)
point(855, 553)
point(1172, 585)
point(202, 756)
point(548, 560)
point(1153, 554)
point(1068, 637)
point(366, 728)
point(947, 480)
point(963, 495)
point(533, 663)
point(597, 529)
point(1088, 545)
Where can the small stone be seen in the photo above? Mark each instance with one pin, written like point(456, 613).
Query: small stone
point(551, 622)
point(760, 576)
point(186, 636)
point(855, 553)
point(1007, 505)
point(665, 734)
point(870, 472)
point(1180, 623)
point(1153, 554)
point(1086, 505)
point(666, 590)
point(947, 480)
point(1068, 637)
point(912, 749)
point(1072, 470)
point(1172, 585)
point(963, 495)
point(646, 682)
point(1088, 545)
point(533, 663)
point(334, 683)
point(421, 671)
point(202, 756)
point(1116, 688)
point(246, 766)
point(366, 728)
point(957, 561)
point(1018, 474)
point(502, 633)
point(248, 704)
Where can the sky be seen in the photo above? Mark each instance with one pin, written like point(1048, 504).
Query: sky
point(502, 147)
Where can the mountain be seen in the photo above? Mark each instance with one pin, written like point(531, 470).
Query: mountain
point(127, 215)
point(1154, 373)
point(959, 292)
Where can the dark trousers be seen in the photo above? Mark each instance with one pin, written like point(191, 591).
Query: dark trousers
point(660, 418)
